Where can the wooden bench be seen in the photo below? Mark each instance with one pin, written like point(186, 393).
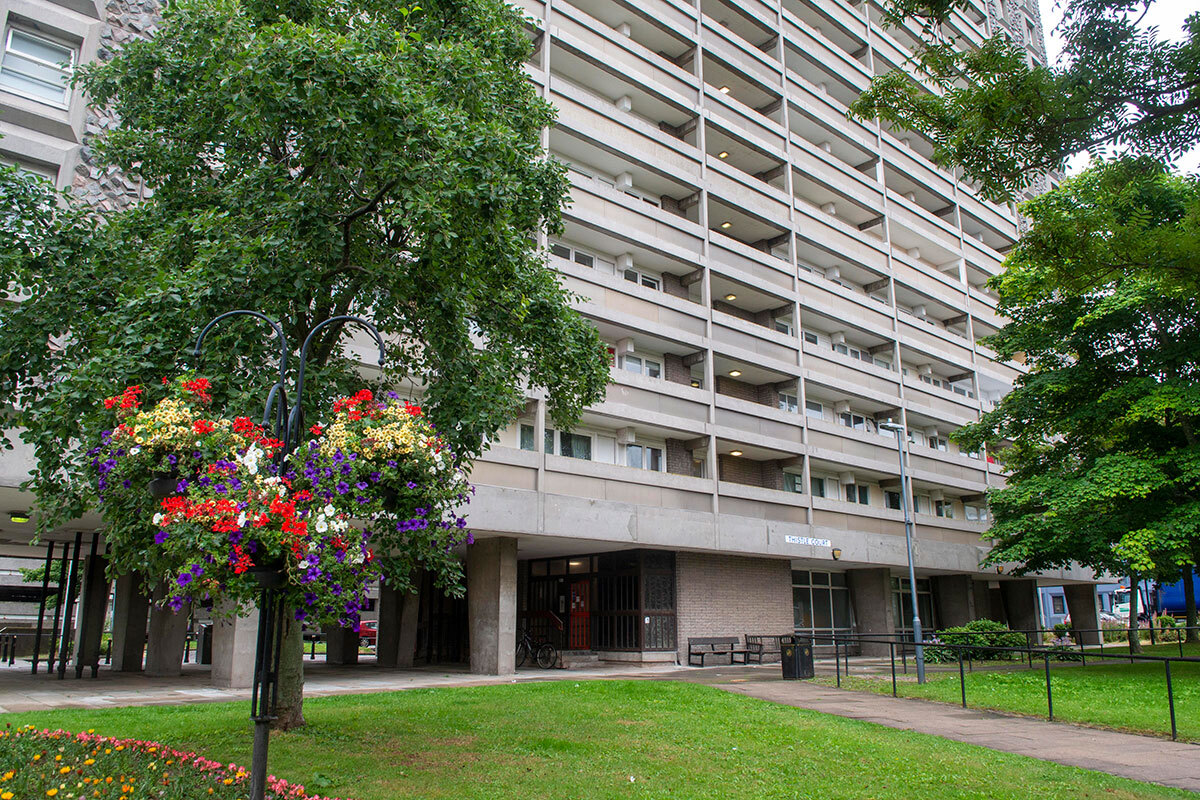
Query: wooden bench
point(703, 647)
point(764, 645)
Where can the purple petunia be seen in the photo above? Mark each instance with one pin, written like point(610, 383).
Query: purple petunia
point(160, 537)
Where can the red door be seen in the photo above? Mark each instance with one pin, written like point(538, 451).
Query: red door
point(581, 618)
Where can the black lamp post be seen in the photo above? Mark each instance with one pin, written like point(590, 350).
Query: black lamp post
point(287, 425)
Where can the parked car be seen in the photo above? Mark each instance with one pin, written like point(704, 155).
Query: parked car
point(368, 633)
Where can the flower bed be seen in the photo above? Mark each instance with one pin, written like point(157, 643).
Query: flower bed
point(44, 763)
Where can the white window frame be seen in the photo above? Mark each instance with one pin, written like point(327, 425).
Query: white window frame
point(574, 254)
point(72, 51)
point(642, 278)
point(643, 362)
point(557, 446)
point(645, 448)
point(814, 409)
point(789, 401)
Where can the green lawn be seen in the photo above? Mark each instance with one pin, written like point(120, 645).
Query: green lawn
point(599, 739)
point(1124, 696)
point(1171, 649)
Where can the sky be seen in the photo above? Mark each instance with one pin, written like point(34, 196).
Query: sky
point(1166, 15)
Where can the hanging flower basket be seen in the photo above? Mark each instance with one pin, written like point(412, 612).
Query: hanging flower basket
point(198, 501)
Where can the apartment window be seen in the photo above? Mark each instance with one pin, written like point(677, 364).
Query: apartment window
point(975, 513)
point(943, 508)
point(857, 493)
point(814, 409)
point(37, 67)
point(526, 437)
point(973, 454)
point(643, 279)
point(816, 486)
point(920, 503)
point(783, 326)
point(789, 402)
point(811, 337)
point(855, 421)
point(699, 468)
point(793, 483)
point(572, 254)
point(821, 604)
point(939, 443)
point(642, 366)
point(1058, 604)
point(892, 500)
point(571, 445)
point(642, 456)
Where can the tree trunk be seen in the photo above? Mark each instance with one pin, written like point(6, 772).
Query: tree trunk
point(1189, 601)
point(1135, 634)
point(290, 712)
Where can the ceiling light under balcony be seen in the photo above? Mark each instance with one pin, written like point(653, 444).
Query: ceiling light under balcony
point(18, 517)
point(723, 154)
point(735, 452)
point(735, 373)
point(731, 297)
point(726, 225)
point(724, 90)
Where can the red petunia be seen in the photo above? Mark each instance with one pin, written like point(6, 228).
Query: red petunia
point(203, 426)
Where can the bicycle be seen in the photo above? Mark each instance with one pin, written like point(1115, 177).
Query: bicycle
point(544, 653)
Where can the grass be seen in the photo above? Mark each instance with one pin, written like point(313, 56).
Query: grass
point(1165, 649)
point(599, 739)
point(1123, 696)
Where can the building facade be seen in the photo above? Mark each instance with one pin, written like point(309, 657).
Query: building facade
point(773, 280)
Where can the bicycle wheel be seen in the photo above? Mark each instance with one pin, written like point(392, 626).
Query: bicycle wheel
point(522, 654)
point(547, 656)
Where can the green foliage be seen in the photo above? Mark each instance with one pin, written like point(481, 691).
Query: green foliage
point(1101, 448)
point(977, 640)
point(1004, 120)
point(306, 160)
point(1168, 629)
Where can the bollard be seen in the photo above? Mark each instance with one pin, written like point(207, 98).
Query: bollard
point(1049, 696)
point(1171, 699)
point(892, 648)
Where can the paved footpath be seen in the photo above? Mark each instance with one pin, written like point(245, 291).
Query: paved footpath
point(1142, 758)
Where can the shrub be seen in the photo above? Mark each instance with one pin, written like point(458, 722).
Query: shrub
point(1061, 629)
point(1168, 629)
point(1114, 631)
point(59, 764)
point(977, 640)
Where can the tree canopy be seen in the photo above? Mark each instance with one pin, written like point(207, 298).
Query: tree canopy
point(1100, 435)
point(1120, 87)
point(305, 159)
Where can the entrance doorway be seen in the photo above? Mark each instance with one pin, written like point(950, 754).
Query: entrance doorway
point(581, 615)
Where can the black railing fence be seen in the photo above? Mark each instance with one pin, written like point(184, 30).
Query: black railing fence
point(903, 645)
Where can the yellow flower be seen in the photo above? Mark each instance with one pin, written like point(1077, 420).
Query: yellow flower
point(64, 770)
point(8, 775)
point(51, 792)
point(37, 756)
point(58, 758)
point(89, 761)
point(7, 796)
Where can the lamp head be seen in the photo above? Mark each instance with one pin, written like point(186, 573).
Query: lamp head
point(891, 427)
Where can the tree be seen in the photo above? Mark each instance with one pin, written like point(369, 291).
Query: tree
point(1005, 121)
point(1101, 432)
point(306, 159)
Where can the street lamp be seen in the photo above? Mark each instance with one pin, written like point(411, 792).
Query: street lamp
point(287, 425)
point(906, 499)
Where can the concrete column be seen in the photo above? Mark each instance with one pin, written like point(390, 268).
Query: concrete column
point(235, 644)
point(408, 629)
point(983, 600)
point(130, 608)
point(341, 646)
point(164, 645)
point(1084, 608)
point(1020, 605)
point(387, 641)
point(871, 593)
point(93, 610)
point(954, 598)
point(492, 605)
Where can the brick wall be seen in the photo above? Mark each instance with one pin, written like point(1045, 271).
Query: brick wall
point(674, 369)
point(679, 458)
point(768, 395)
point(737, 469)
point(721, 305)
point(738, 389)
point(674, 287)
point(723, 595)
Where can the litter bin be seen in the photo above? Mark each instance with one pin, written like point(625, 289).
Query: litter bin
point(204, 644)
point(796, 655)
